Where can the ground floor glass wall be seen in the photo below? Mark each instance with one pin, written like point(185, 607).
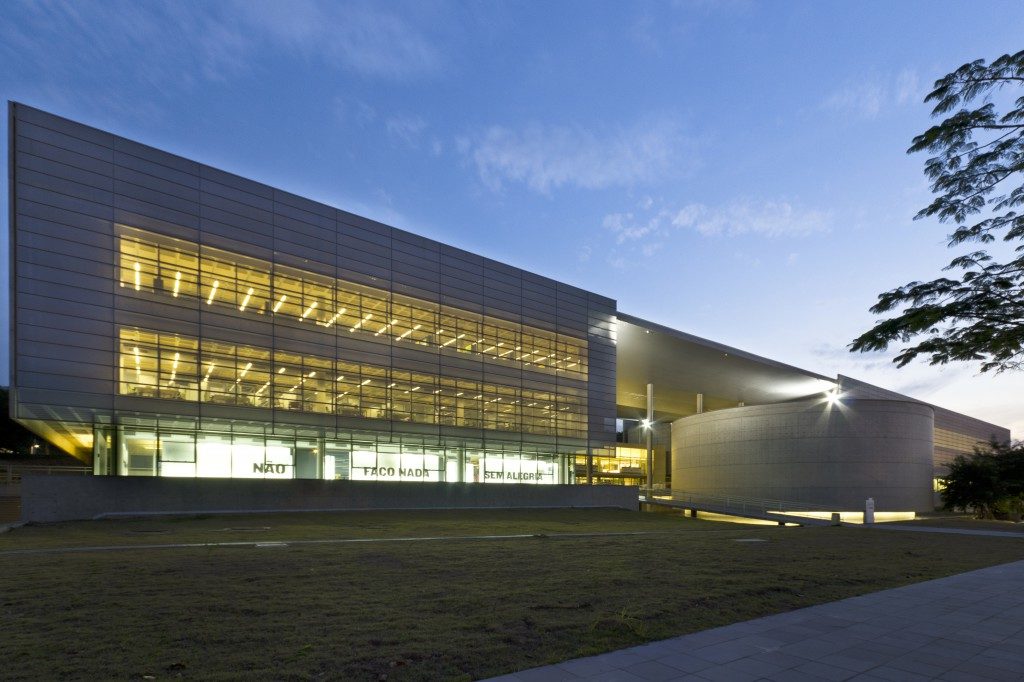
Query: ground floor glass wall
point(145, 451)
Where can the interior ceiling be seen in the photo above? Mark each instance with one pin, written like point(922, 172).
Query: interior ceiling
point(681, 365)
point(68, 428)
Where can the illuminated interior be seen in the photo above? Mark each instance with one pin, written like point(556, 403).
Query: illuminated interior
point(154, 451)
point(628, 466)
point(154, 265)
point(175, 367)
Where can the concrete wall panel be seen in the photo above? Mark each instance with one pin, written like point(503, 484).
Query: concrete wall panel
point(47, 499)
point(810, 451)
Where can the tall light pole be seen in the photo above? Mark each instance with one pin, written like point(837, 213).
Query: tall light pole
point(649, 426)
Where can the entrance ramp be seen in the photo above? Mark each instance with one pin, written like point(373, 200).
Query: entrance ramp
point(781, 511)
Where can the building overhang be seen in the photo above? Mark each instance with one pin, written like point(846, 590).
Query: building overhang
point(681, 366)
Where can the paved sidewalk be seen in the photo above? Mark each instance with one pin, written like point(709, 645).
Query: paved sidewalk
point(1018, 534)
point(965, 627)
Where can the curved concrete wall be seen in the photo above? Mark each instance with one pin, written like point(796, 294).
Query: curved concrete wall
point(808, 451)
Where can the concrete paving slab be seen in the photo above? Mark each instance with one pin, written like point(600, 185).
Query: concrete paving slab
point(547, 674)
point(685, 663)
point(890, 674)
point(728, 673)
point(965, 627)
point(654, 671)
point(587, 667)
point(824, 671)
point(1011, 665)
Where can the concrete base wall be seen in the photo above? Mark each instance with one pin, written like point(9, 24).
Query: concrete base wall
point(70, 498)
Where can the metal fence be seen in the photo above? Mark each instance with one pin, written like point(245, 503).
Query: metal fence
point(10, 474)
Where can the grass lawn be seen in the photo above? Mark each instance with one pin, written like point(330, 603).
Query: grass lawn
point(437, 609)
point(966, 521)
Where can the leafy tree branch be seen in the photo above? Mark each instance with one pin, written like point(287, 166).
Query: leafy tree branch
point(977, 312)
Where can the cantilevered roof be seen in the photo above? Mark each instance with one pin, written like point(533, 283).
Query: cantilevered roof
point(681, 365)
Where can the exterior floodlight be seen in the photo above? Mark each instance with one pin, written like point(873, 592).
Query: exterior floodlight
point(646, 423)
point(833, 396)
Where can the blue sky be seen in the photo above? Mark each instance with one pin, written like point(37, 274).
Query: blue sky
point(733, 169)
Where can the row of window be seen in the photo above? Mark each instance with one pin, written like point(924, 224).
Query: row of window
point(247, 286)
point(146, 452)
point(162, 365)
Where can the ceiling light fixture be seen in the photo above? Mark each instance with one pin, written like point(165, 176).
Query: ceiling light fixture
point(334, 317)
point(361, 322)
point(245, 301)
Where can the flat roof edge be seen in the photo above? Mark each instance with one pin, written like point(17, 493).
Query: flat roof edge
point(707, 343)
point(962, 415)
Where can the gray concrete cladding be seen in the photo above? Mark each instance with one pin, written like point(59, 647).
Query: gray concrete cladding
point(71, 184)
point(810, 451)
point(955, 433)
point(47, 499)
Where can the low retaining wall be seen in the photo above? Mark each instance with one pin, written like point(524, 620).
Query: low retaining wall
point(71, 498)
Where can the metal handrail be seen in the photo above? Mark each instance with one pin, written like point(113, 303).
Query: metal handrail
point(10, 474)
point(739, 502)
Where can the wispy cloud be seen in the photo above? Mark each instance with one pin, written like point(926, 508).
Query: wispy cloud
point(628, 227)
point(368, 38)
point(176, 43)
point(546, 157)
point(406, 128)
point(766, 218)
point(871, 97)
point(714, 6)
point(842, 360)
point(777, 218)
point(350, 111)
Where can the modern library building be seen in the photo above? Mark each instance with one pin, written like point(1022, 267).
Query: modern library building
point(169, 319)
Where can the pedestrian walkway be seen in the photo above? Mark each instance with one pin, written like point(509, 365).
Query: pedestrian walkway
point(965, 627)
point(1013, 533)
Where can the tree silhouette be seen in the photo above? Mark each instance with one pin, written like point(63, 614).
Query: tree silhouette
point(976, 171)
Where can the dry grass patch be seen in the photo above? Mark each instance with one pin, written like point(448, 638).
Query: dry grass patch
point(441, 609)
point(216, 528)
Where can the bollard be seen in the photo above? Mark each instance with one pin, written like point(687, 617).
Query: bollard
point(869, 510)
point(835, 519)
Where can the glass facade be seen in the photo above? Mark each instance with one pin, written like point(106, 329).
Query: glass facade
point(172, 366)
point(152, 450)
point(191, 276)
point(302, 378)
point(628, 466)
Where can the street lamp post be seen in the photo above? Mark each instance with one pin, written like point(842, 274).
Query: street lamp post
point(649, 426)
